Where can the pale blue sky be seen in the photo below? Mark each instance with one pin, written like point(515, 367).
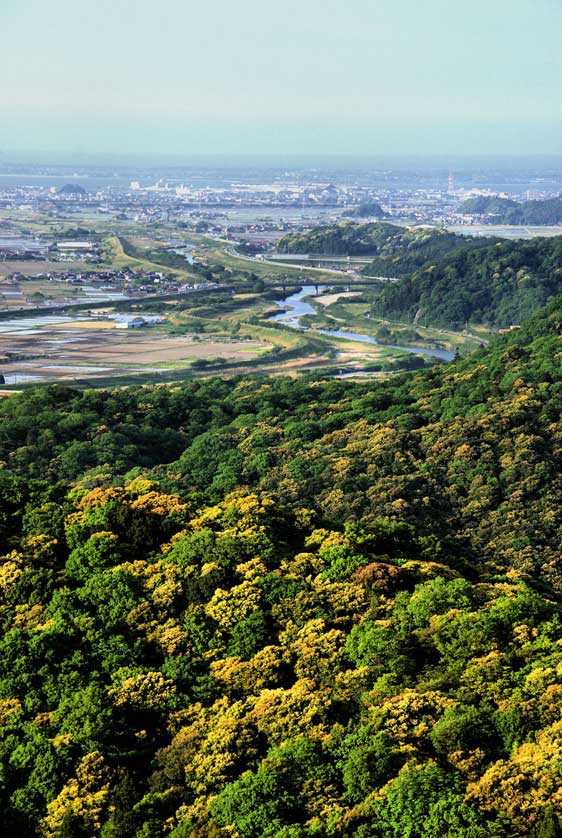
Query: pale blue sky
point(300, 76)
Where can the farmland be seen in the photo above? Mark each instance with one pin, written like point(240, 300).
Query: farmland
point(63, 349)
point(223, 327)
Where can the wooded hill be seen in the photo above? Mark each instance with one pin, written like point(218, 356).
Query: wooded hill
point(369, 209)
point(399, 250)
point(287, 608)
point(446, 280)
point(505, 211)
point(496, 285)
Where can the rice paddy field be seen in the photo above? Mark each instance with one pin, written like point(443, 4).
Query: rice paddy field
point(58, 348)
point(35, 268)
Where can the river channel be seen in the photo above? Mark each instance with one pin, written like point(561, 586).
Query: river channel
point(298, 307)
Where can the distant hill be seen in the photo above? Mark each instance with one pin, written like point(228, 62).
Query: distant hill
point(487, 205)
point(505, 211)
point(370, 209)
point(499, 284)
point(73, 190)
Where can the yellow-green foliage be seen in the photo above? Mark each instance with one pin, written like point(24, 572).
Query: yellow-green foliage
point(287, 609)
point(235, 669)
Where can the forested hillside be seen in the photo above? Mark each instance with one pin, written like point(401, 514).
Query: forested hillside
point(287, 608)
point(349, 238)
point(399, 250)
point(487, 205)
point(504, 211)
point(497, 285)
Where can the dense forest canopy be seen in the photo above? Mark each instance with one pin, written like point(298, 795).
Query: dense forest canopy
point(505, 211)
point(487, 205)
point(396, 251)
point(497, 285)
point(349, 238)
point(287, 608)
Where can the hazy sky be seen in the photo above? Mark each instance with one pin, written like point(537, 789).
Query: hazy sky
point(300, 76)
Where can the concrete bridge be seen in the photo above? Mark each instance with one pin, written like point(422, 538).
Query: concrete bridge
point(348, 284)
point(321, 257)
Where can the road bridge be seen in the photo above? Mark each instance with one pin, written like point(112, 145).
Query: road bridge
point(321, 257)
point(266, 260)
point(348, 284)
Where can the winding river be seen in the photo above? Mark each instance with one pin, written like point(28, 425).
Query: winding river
point(298, 307)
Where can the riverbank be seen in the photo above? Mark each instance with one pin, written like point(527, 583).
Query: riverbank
point(296, 307)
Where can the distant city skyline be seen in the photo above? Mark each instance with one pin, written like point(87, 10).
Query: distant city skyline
point(300, 78)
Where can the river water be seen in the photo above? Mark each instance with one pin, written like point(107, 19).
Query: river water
point(184, 251)
point(299, 307)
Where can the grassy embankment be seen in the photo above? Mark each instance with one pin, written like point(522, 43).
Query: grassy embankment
point(114, 256)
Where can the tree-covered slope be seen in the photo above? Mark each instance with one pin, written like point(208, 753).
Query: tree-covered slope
point(504, 211)
point(397, 251)
point(242, 670)
point(368, 209)
point(411, 249)
point(319, 609)
point(348, 238)
point(487, 205)
point(499, 284)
